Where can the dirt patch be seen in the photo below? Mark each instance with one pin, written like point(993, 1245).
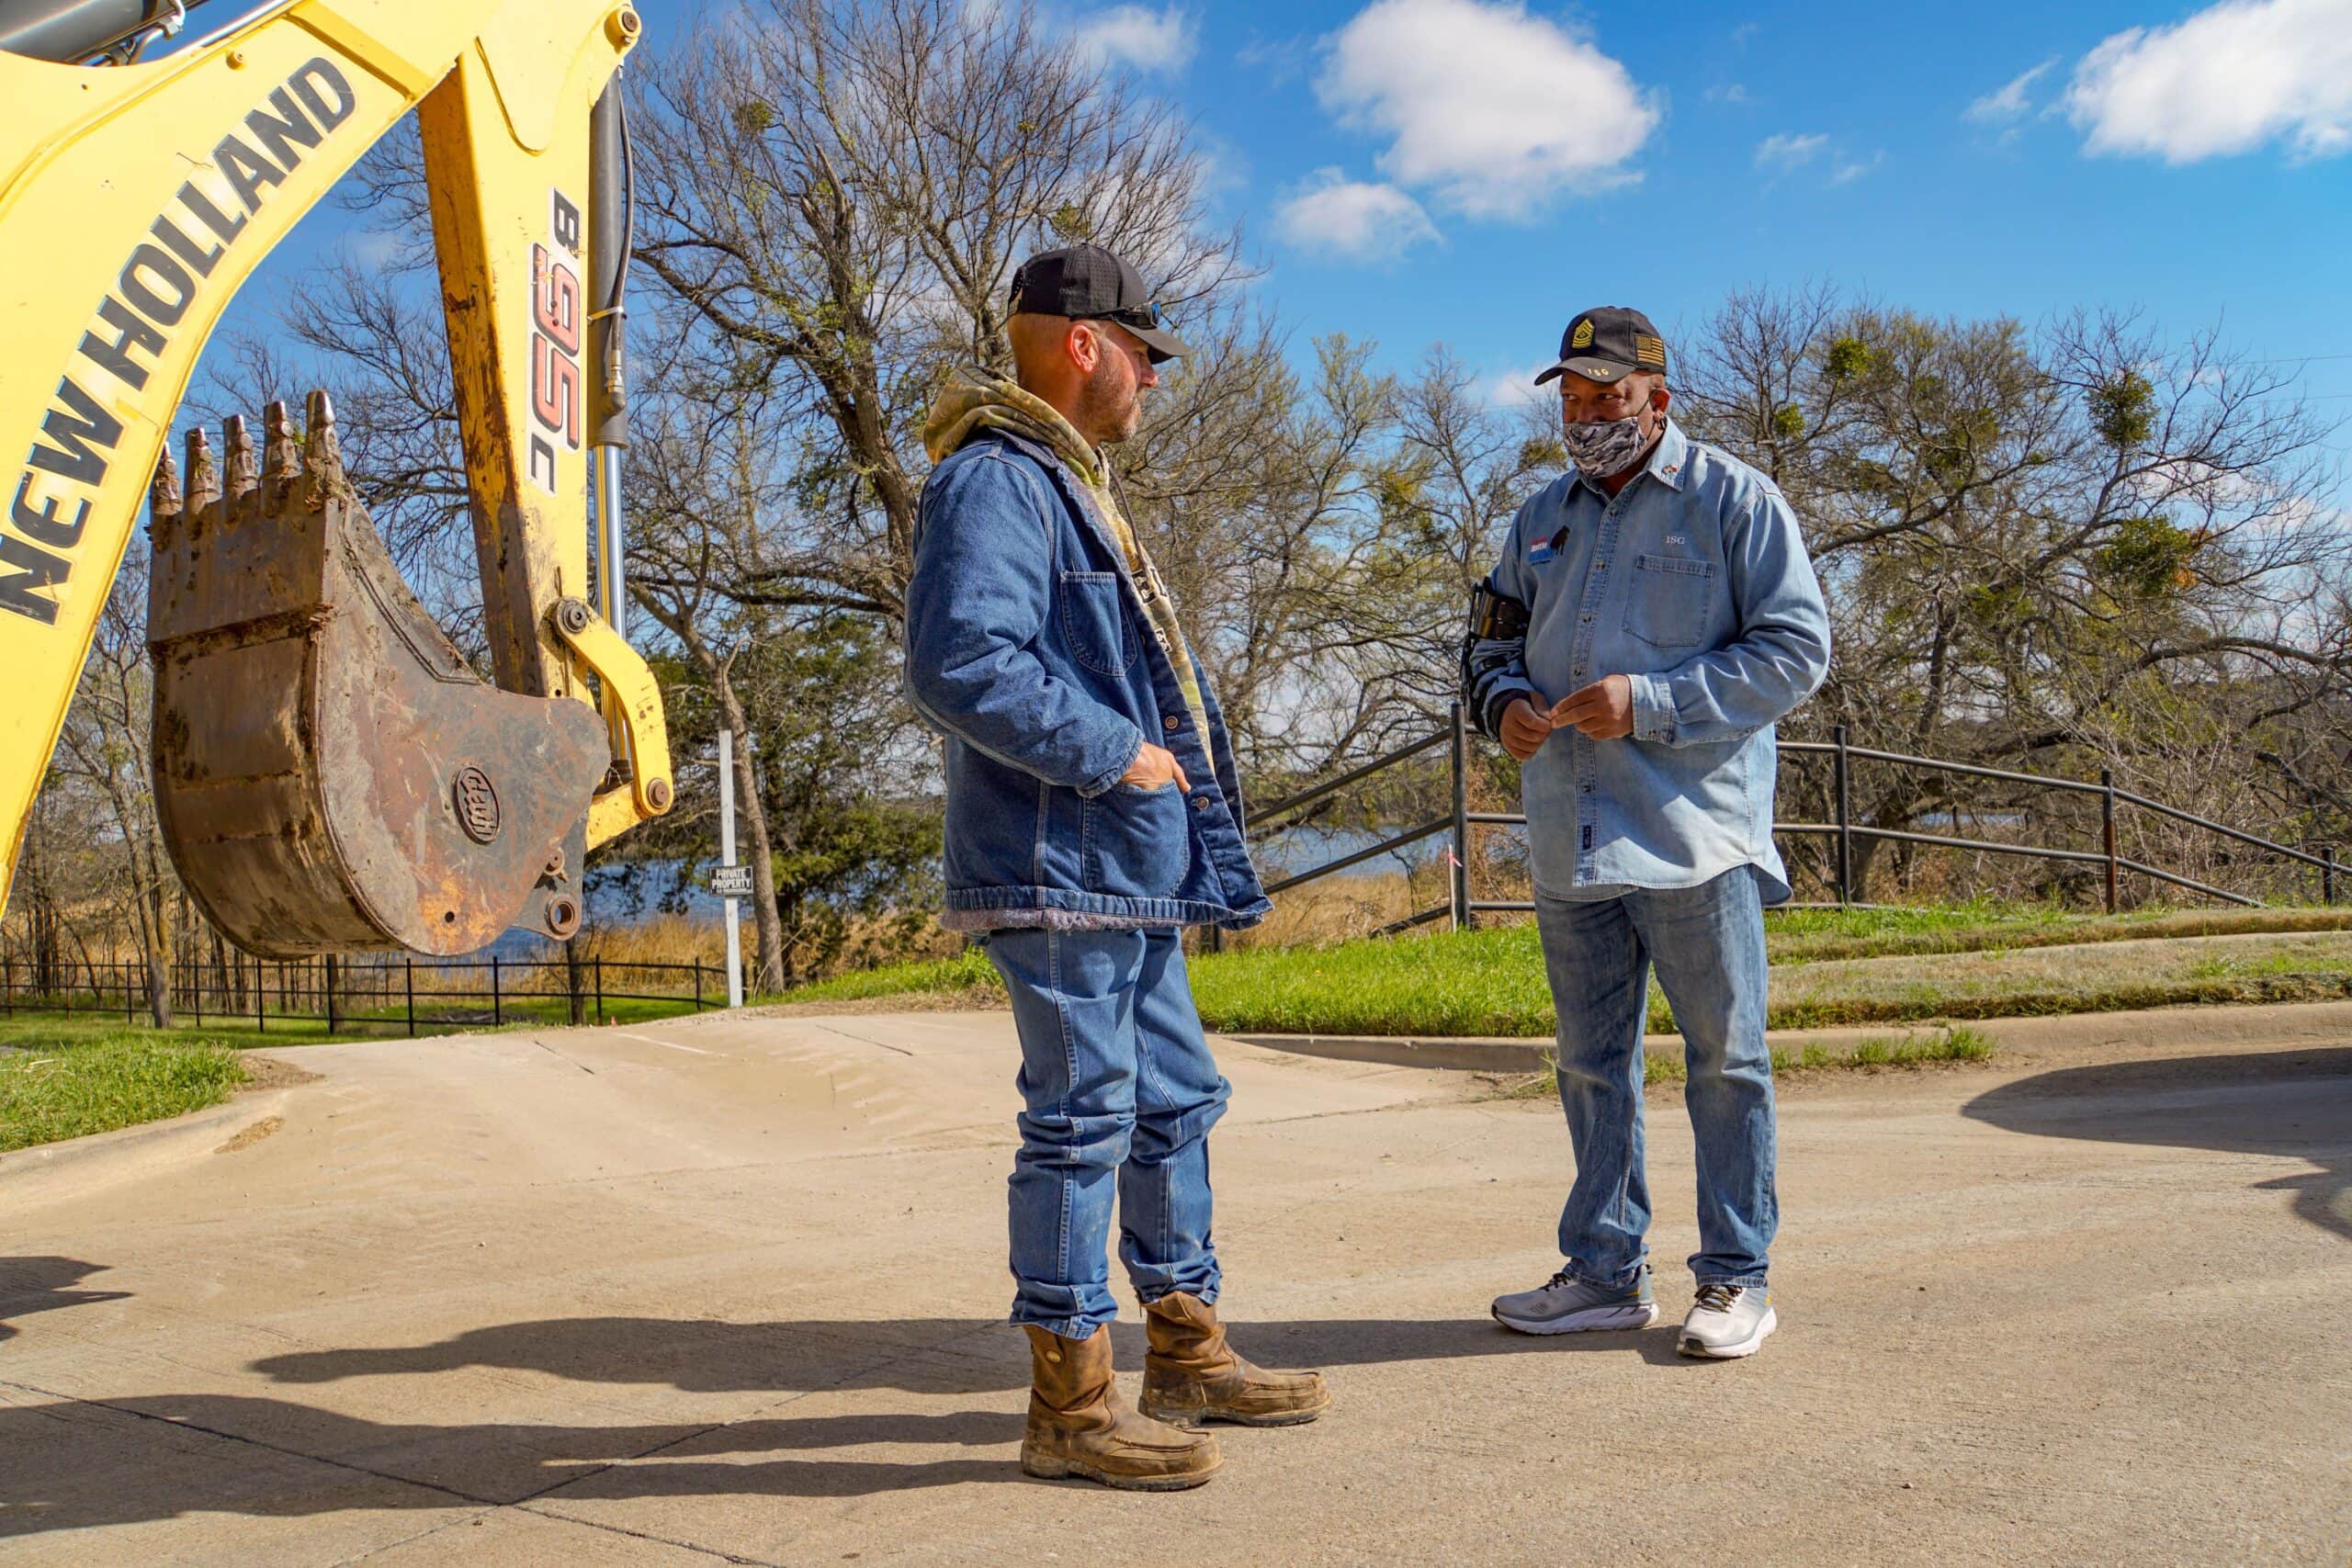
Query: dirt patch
point(253, 1134)
point(272, 1072)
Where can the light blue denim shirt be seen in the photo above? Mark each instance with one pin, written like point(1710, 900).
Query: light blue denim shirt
point(1693, 582)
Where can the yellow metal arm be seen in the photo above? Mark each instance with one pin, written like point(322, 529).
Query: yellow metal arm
point(135, 201)
point(629, 689)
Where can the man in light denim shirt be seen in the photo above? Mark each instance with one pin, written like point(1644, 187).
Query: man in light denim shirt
point(1653, 615)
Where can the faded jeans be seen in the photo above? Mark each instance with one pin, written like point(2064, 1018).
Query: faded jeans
point(1707, 944)
point(1119, 1092)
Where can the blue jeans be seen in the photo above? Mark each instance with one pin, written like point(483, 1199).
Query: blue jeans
point(1119, 1092)
point(1708, 944)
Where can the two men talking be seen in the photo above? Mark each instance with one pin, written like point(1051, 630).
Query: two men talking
point(1652, 616)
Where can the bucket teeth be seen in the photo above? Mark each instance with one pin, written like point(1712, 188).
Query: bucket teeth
point(329, 774)
point(244, 472)
point(325, 454)
point(281, 455)
point(203, 479)
point(164, 493)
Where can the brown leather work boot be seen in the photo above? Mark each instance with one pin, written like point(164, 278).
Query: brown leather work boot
point(1079, 1425)
point(1191, 1375)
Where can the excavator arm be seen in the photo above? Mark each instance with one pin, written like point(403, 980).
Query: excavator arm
point(330, 774)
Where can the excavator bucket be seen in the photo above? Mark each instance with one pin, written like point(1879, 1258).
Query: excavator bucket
point(329, 772)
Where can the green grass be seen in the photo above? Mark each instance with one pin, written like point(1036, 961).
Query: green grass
point(1959, 1044)
point(968, 971)
point(108, 1078)
point(1813, 935)
point(66, 1074)
point(26, 1028)
point(1848, 966)
point(51, 1031)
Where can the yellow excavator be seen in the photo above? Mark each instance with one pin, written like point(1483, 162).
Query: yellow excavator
point(330, 774)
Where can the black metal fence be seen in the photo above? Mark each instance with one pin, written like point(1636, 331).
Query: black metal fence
point(1463, 910)
point(349, 995)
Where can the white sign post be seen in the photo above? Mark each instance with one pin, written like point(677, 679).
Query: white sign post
point(727, 858)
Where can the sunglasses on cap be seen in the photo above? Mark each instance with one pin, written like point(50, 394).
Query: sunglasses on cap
point(1143, 319)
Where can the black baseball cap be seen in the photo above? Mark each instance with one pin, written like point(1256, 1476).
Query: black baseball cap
point(1088, 283)
point(1609, 343)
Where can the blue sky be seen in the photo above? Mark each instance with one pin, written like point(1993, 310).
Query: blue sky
point(1418, 171)
point(1812, 140)
point(2197, 169)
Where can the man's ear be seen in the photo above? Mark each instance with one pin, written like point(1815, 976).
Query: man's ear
point(1084, 347)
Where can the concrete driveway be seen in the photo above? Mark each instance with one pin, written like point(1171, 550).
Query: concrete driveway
point(730, 1288)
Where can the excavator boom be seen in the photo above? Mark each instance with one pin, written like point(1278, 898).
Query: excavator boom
point(329, 773)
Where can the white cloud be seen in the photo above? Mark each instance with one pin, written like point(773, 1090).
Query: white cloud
point(1785, 151)
point(1140, 37)
point(1516, 387)
point(1848, 170)
point(1496, 111)
point(1727, 92)
point(377, 249)
point(1281, 59)
point(2010, 103)
point(2229, 79)
point(1335, 215)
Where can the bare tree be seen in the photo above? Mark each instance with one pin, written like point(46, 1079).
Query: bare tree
point(703, 481)
point(843, 191)
point(2064, 547)
point(104, 744)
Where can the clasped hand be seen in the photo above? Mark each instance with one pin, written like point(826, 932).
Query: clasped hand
point(1603, 711)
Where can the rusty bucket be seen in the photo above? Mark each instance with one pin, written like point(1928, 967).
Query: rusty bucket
point(330, 774)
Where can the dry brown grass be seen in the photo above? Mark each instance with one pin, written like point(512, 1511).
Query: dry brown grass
point(676, 938)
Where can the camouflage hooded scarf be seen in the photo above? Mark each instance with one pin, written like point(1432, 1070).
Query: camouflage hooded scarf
point(974, 401)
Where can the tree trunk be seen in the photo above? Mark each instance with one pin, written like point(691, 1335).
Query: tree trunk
point(153, 945)
point(575, 976)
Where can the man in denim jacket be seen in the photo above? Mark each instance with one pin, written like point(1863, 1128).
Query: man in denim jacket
point(1093, 814)
point(1652, 617)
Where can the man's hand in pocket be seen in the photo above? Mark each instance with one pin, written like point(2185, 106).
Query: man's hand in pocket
point(1156, 767)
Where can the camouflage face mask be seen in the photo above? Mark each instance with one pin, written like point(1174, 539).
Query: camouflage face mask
point(1604, 448)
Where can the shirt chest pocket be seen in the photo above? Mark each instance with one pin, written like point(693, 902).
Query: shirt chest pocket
point(1669, 600)
point(1095, 625)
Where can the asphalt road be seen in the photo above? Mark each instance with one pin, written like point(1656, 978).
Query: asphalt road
point(731, 1287)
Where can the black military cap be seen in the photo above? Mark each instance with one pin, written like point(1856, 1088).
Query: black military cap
point(1088, 283)
point(1609, 345)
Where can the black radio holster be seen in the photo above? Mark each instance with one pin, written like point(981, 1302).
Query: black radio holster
point(1494, 617)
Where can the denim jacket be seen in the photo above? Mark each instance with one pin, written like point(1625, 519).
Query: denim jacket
point(1029, 651)
point(1693, 580)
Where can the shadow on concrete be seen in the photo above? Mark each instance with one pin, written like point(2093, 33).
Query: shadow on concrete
point(29, 1285)
point(76, 1465)
point(2294, 1103)
point(157, 1457)
point(918, 1355)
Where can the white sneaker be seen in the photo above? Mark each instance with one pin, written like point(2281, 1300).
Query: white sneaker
point(1727, 1320)
point(1563, 1305)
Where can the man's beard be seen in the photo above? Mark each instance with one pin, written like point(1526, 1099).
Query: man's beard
point(1109, 409)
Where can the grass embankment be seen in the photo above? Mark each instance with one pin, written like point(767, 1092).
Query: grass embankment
point(1956, 1044)
point(436, 1013)
point(1848, 966)
point(64, 1075)
point(100, 1079)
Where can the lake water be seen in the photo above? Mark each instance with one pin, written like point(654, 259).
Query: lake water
point(609, 901)
point(1284, 854)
